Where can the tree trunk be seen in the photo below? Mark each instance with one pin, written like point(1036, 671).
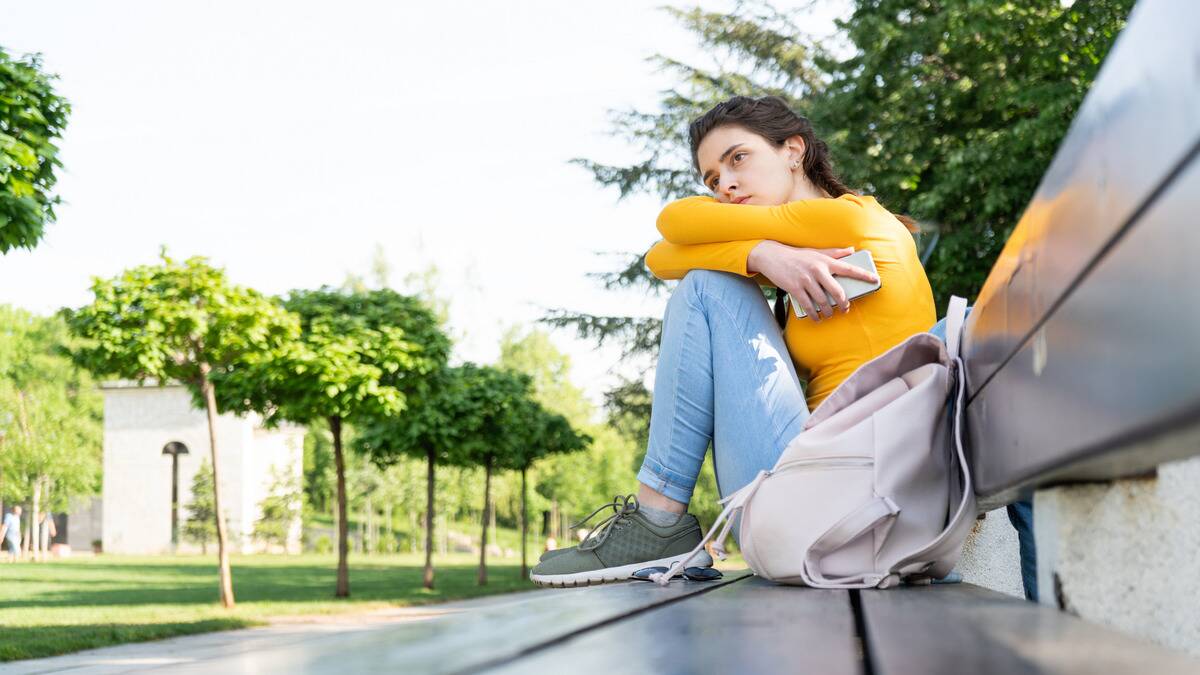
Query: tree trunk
point(210, 405)
point(524, 525)
point(371, 543)
point(430, 459)
point(389, 533)
point(487, 505)
point(339, 460)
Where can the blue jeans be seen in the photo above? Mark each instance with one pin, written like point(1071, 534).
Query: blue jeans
point(724, 376)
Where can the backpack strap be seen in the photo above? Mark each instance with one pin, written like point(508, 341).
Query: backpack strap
point(924, 560)
point(955, 317)
point(733, 503)
point(878, 514)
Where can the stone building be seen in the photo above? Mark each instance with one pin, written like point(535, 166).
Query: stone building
point(139, 423)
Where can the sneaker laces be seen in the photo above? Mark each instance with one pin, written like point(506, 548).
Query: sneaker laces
point(622, 506)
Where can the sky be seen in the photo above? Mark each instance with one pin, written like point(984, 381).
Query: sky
point(289, 141)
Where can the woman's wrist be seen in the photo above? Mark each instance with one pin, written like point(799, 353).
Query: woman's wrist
point(756, 256)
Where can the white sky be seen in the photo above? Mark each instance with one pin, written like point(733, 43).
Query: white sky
point(285, 140)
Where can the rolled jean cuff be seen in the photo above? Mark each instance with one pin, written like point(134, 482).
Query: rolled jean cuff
point(666, 482)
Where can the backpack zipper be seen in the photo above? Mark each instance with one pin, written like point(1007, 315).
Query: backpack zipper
point(825, 463)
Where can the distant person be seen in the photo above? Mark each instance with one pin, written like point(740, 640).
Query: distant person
point(48, 531)
point(10, 532)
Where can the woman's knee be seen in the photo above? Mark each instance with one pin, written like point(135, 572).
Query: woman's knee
point(709, 281)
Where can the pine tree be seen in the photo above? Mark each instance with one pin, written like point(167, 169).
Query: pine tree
point(200, 527)
point(279, 509)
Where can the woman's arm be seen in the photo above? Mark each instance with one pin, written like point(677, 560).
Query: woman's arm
point(805, 273)
point(671, 261)
point(809, 223)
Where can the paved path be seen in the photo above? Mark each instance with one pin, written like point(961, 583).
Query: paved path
point(288, 645)
point(454, 637)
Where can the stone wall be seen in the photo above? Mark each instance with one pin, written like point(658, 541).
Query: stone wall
point(138, 422)
point(991, 555)
point(1126, 554)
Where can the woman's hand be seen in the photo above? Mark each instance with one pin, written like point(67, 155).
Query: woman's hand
point(807, 274)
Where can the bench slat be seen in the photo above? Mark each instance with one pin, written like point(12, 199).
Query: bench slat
point(458, 636)
point(961, 628)
point(752, 626)
point(1114, 366)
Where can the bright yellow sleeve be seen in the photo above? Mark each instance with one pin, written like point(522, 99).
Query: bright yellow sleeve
point(809, 223)
point(672, 261)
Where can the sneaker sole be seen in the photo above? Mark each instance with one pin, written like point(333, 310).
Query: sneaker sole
point(611, 574)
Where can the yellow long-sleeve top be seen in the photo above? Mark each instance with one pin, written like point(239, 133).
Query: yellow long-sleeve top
point(703, 233)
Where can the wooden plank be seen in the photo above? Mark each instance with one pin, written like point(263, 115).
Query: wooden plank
point(960, 628)
point(1116, 366)
point(449, 638)
point(753, 626)
point(1077, 333)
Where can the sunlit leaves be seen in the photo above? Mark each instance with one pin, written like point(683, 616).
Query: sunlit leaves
point(32, 118)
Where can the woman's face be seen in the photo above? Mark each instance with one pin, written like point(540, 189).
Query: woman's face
point(739, 166)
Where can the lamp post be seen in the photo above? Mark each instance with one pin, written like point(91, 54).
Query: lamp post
point(174, 449)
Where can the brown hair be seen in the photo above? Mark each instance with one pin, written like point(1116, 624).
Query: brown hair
point(771, 118)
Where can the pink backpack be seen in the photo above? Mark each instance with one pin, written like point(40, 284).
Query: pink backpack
point(876, 490)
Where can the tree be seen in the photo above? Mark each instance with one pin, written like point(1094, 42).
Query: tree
point(181, 322)
point(279, 509)
point(32, 118)
point(433, 428)
point(546, 433)
point(565, 406)
point(200, 526)
point(497, 421)
point(50, 417)
point(319, 475)
point(357, 354)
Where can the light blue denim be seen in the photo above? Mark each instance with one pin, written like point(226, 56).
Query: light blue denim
point(724, 376)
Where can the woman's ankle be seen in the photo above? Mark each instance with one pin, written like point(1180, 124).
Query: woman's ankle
point(648, 496)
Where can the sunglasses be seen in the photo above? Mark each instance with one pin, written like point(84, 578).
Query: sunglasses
point(689, 573)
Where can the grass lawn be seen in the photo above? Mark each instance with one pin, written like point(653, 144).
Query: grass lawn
point(68, 605)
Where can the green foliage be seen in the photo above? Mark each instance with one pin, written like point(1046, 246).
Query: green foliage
point(952, 111)
point(176, 321)
point(32, 118)
point(200, 526)
point(319, 477)
point(356, 353)
point(279, 509)
point(50, 412)
point(469, 415)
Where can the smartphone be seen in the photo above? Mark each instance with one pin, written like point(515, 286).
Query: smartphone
point(854, 288)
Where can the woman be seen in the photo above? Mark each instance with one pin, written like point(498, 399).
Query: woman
point(777, 216)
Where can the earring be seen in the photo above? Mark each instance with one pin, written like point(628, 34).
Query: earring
point(795, 165)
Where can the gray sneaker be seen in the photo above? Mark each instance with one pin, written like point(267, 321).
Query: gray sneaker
point(553, 552)
point(620, 545)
